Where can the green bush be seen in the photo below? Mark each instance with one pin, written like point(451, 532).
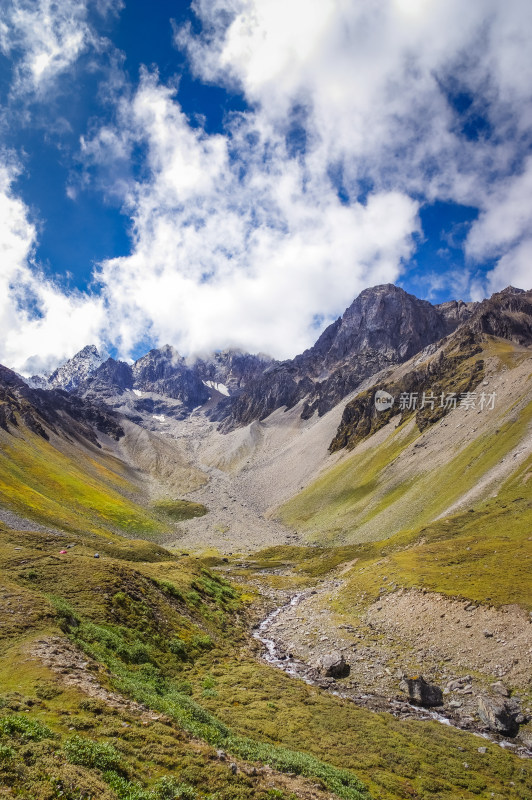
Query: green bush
point(202, 642)
point(124, 789)
point(169, 588)
point(47, 691)
point(178, 647)
point(24, 728)
point(6, 753)
point(88, 753)
point(66, 615)
point(167, 788)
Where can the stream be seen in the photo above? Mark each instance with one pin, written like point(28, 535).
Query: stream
point(276, 657)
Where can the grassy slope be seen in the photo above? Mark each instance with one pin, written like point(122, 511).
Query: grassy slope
point(357, 500)
point(482, 554)
point(76, 489)
point(172, 635)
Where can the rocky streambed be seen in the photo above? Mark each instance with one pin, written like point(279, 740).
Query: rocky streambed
point(331, 670)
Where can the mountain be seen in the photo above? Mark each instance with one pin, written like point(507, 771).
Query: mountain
point(455, 366)
point(76, 369)
point(108, 379)
point(230, 371)
point(57, 411)
point(162, 382)
point(149, 643)
point(383, 326)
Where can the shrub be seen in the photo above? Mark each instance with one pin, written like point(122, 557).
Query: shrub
point(88, 753)
point(93, 705)
point(167, 788)
point(66, 615)
point(48, 691)
point(178, 647)
point(202, 642)
point(24, 728)
point(6, 753)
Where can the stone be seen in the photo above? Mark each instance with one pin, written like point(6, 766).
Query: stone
point(422, 693)
point(482, 750)
point(498, 716)
point(500, 689)
point(334, 665)
point(458, 684)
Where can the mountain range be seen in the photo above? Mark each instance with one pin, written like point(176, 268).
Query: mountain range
point(181, 538)
point(383, 327)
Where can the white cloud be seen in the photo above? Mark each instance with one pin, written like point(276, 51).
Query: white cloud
point(514, 268)
point(40, 324)
point(371, 75)
point(503, 232)
point(238, 250)
point(47, 38)
point(237, 239)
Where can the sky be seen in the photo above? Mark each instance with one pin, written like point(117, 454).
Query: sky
point(232, 173)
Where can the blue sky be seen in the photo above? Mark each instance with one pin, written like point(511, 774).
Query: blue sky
point(227, 172)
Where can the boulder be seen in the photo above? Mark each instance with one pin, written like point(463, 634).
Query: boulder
point(500, 689)
point(422, 693)
point(498, 715)
point(334, 665)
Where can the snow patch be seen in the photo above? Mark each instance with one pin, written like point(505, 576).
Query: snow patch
point(220, 387)
point(137, 392)
point(159, 417)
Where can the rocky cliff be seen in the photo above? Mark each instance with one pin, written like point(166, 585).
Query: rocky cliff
point(383, 326)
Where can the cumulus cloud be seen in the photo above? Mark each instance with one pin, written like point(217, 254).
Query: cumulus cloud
point(46, 38)
point(502, 232)
point(379, 80)
point(40, 323)
point(234, 242)
point(357, 114)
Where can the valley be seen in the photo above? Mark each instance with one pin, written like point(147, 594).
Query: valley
point(180, 564)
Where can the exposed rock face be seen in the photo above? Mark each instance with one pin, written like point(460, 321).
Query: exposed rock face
point(278, 386)
point(422, 693)
point(75, 370)
point(52, 410)
point(454, 313)
point(384, 325)
point(165, 372)
point(507, 315)
point(233, 369)
point(334, 665)
point(111, 377)
point(498, 715)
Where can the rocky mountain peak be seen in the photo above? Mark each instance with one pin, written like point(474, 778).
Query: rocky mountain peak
point(383, 326)
point(164, 371)
point(77, 369)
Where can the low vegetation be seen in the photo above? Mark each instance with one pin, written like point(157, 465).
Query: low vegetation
point(361, 496)
point(171, 634)
point(39, 481)
point(180, 510)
